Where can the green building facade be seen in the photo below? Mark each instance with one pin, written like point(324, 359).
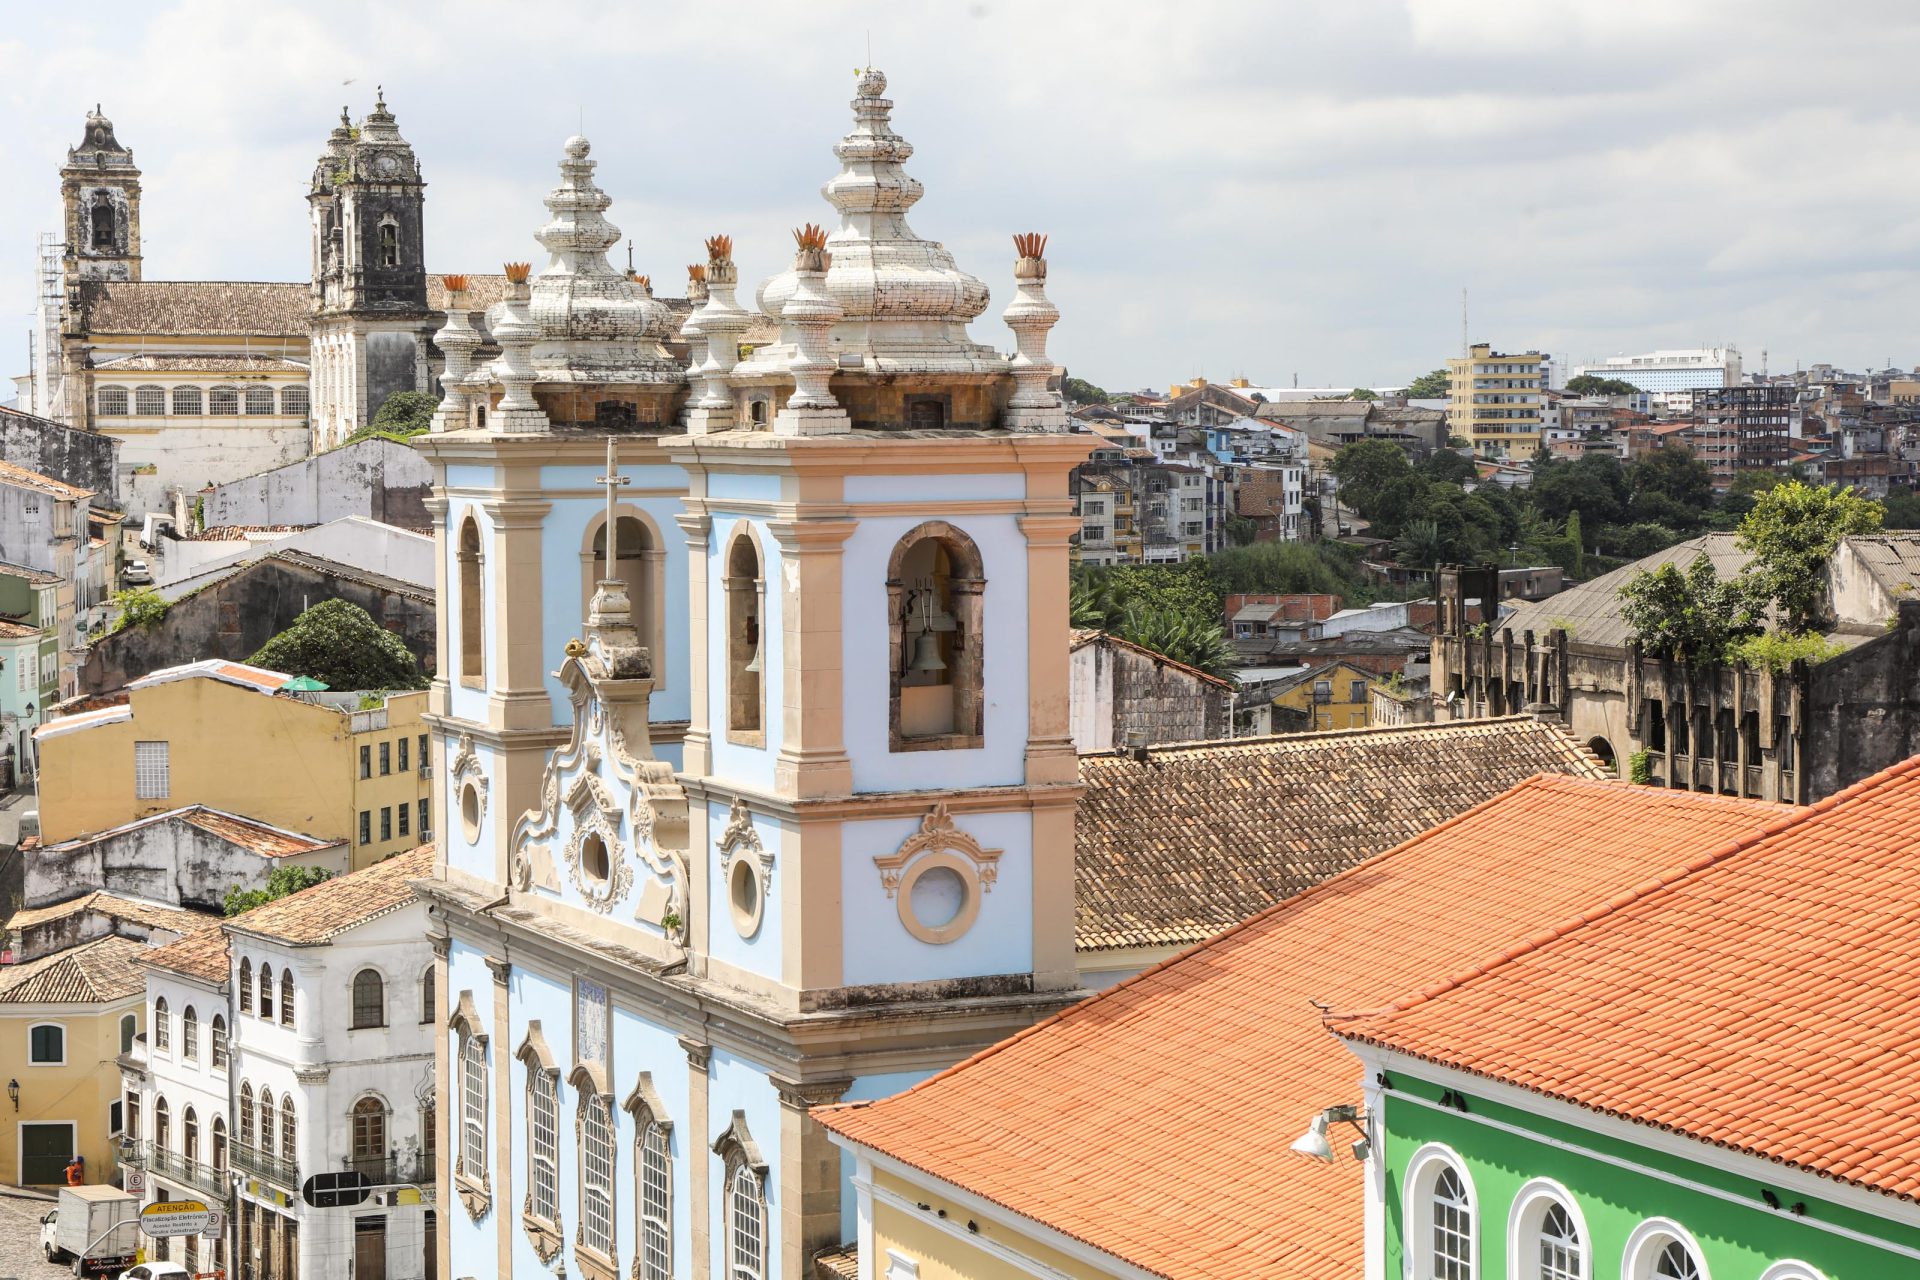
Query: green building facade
point(1525, 1187)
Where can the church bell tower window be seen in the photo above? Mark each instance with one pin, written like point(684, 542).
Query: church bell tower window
point(934, 589)
point(103, 235)
point(746, 592)
point(472, 605)
point(389, 242)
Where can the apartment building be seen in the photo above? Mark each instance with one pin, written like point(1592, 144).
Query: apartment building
point(1495, 400)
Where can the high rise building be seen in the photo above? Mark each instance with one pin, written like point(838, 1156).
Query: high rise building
point(1688, 369)
point(1494, 400)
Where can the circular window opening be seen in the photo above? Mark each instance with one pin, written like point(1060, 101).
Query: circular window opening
point(938, 896)
point(744, 888)
point(593, 858)
point(470, 812)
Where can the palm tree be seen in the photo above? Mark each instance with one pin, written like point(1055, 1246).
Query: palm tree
point(1420, 545)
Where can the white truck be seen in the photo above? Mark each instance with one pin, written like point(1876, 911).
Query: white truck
point(97, 1228)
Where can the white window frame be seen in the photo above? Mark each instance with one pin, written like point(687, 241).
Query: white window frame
point(596, 1184)
point(739, 1267)
point(152, 769)
point(61, 1027)
point(1528, 1215)
point(653, 1153)
point(543, 1147)
point(1423, 1172)
point(1644, 1246)
point(1792, 1270)
point(473, 1104)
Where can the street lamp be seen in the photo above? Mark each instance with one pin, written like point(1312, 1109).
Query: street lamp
point(13, 1093)
point(1314, 1141)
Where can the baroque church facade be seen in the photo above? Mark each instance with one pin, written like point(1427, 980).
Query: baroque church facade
point(752, 707)
point(203, 382)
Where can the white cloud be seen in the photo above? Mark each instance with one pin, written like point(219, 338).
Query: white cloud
point(1254, 187)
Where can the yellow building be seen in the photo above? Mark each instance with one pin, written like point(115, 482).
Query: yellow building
point(64, 1019)
point(1336, 696)
point(1494, 400)
point(236, 738)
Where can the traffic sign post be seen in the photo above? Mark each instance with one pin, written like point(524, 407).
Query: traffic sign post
point(171, 1218)
point(337, 1189)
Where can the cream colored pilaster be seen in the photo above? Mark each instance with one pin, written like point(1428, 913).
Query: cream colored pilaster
point(1054, 964)
point(697, 757)
point(439, 699)
point(500, 1067)
point(809, 1174)
point(1050, 754)
point(517, 684)
point(699, 1156)
point(813, 753)
point(810, 908)
point(443, 1130)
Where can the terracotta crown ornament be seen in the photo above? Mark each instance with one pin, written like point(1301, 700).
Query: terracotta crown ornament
point(454, 284)
point(517, 272)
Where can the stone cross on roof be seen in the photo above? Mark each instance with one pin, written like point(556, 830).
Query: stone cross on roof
point(612, 480)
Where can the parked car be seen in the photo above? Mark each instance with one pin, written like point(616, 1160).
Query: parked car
point(138, 574)
point(156, 1271)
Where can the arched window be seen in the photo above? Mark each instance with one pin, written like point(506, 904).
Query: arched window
point(1442, 1240)
point(637, 562)
point(129, 1027)
point(187, 400)
point(246, 1116)
point(1546, 1235)
point(288, 1131)
point(746, 1225)
point(223, 402)
point(111, 402)
point(543, 1141)
point(189, 1035)
point(259, 400)
point(369, 999)
point(266, 992)
point(294, 402)
point(219, 1144)
point(473, 1105)
point(267, 1120)
point(1452, 1220)
point(286, 997)
point(102, 223)
point(219, 1042)
point(426, 989)
point(246, 986)
point(162, 1026)
point(162, 1124)
point(389, 242)
point(935, 585)
point(190, 1134)
point(1676, 1262)
point(596, 1173)
point(1660, 1249)
point(472, 605)
point(653, 1182)
point(370, 1137)
point(150, 401)
point(746, 594)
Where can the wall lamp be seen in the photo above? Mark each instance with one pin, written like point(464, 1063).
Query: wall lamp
point(1314, 1141)
point(13, 1093)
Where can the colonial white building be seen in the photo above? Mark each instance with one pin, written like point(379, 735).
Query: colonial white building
point(808, 830)
point(293, 1040)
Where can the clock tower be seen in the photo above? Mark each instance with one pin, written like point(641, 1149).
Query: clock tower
point(371, 323)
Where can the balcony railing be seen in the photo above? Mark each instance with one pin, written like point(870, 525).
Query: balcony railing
point(178, 1168)
point(264, 1165)
point(408, 1169)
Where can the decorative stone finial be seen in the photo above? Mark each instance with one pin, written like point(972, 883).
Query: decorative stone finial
point(517, 272)
point(454, 284)
point(456, 340)
point(720, 321)
point(514, 330)
point(805, 320)
point(872, 84)
point(1034, 406)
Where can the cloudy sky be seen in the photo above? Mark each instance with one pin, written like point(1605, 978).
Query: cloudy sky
point(1265, 189)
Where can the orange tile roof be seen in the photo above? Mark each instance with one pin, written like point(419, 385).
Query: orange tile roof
point(1735, 999)
point(91, 973)
point(330, 908)
point(113, 905)
point(1174, 1095)
point(201, 954)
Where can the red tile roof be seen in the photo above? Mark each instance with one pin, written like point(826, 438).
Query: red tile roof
point(201, 954)
point(327, 910)
point(1753, 997)
point(1173, 1097)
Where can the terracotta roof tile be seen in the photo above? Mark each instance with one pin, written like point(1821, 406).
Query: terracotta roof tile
point(25, 479)
point(332, 907)
point(1735, 999)
point(1169, 1095)
point(1195, 838)
point(203, 307)
point(90, 973)
point(158, 914)
point(247, 833)
point(201, 954)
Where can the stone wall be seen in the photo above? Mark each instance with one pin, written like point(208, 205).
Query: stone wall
point(1122, 695)
point(374, 478)
point(168, 860)
point(80, 458)
point(236, 615)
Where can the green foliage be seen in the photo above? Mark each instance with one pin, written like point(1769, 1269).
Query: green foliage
point(1640, 768)
point(1637, 541)
point(1776, 651)
point(1080, 391)
point(1421, 545)
point(199, 513)
point(1670, 487)
point(1903, 509)
point(280, 882)
point(340, 643)
point(1242, 530)
point(1691, 614)
point(1451, 467)
point(1284, 568)
point(406, 413)
point(1171, 609)
point(1791, 531)
point(1574, 536)
point(1180, 635)
point(1429, 386)
point(1594, 484)
point(1367, 471)
point(141, 607)
point(1589, 385)
point(1363, 393)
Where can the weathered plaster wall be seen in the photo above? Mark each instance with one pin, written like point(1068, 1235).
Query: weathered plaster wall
point(81, 458)
point(1118, 692)
point(374, 478)
point(167, 861)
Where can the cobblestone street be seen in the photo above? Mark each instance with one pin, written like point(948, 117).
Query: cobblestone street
point(20, 1239)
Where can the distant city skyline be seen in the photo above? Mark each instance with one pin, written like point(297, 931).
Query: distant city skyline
point(1252, 190)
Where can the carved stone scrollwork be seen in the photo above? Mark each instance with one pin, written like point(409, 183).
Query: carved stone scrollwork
point(964, 871)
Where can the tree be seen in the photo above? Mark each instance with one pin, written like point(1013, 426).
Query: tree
point(1198, 642)
point(1283, 568)
point(1903, 509)
point(1671, 487)
point(1792, 532)
point(281, 881)
point(1587, 384)
point(1242, 530)
point(1454, 468)
point(1421, 545)
point(339, 643)
point(141, 607)
point(1429, 386)
point(1594, 484)
point(1692, 614)
point(406, 413)
point(1080, 391)
point(1364, 469)
point(1363, 393)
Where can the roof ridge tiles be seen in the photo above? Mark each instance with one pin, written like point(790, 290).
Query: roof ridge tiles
point(1646, 889)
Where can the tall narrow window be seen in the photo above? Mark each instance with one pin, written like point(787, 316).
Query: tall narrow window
point(219, 1042)
point(656, 1202)
point(472, 604)
point(369, 999)
point(1559, 1245)
point(636, 562)
point(473, 1105)
point(246, 1116)
point(596, 1173)
point(389, 243)
point(370, 1137)
point(286, 997)
point(429, 1128)
point(267, 1122)
point(935, 585)
point(129, 1027)
point(190, 1134)
point(246, 986)
point(162, 1124)
point(746, 1225)
point(1452, 1217)
point(266, 992)
point(426, 995)
point(746, 591)
point(288, 1133)
point(162, 1026)
point(219, 1145)
point(102, 219)
point(189, 1035)
point(543, 1141)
